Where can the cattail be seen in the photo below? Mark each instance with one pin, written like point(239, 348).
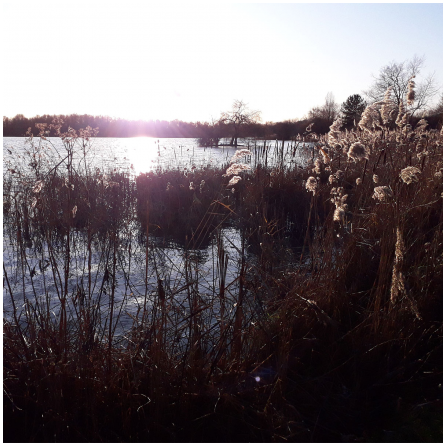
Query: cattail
point(335, 131)
point(420, 145)
point(38, 187)
point(375, 178)
point(421, 154)
point(410, 91)
point(381, 193)
point(325, 156)
point(339, 215)
point(397, 279)
point(398, 287)
point(409, 174)
point(311, 185)
point(401, 119)
point(370, 117)
point(234, 180)
point(236, 169)
point(339, 201)
point(387, 107)
point(421, 125)
point(317, 166)
point(358, 152)
point(239, 154)
point(338, 198)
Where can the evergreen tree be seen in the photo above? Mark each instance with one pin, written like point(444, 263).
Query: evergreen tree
point(352, 110)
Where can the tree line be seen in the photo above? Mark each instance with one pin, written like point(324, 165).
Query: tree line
point(392, 84)
point(122, 128)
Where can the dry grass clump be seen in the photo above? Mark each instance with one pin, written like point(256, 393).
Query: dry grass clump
point(329, 328)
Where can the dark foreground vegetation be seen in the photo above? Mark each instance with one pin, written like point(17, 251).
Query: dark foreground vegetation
point(334, 331)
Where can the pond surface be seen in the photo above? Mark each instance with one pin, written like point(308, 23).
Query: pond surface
point(140, 272)
point(146, 154)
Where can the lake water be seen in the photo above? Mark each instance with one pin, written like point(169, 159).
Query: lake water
point(146, 154)
point(166, 259)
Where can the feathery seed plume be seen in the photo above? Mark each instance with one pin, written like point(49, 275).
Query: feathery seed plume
point(409, 174)
point(358, 152)
point(410, 91)
point(439, 174)
point(370, 117)
point(325, 156)
point(381, 193)
point(38, 187)
point(311, 185)
point(317, 166)
point(421, 125)
point(239, 154)
point(387, 107)
point(234, 180)
point(401, 119)
point(235, 169)
point(335, 131)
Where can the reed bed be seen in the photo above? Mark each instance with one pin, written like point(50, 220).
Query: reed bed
point(254, 302)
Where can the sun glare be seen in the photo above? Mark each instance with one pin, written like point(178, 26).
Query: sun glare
point(142, 153)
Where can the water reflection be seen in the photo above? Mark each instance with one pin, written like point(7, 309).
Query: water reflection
point(137, 280)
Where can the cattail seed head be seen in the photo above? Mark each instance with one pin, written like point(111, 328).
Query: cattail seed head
point(235, 169)
point(411, 91)
point(358, 152)
point(381, 193)
point(311, 185)
point(234, 180)
point(38, 187)
point(409, 174)
point(239, 154)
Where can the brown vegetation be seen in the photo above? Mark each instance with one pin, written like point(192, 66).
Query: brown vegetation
point(331, 331)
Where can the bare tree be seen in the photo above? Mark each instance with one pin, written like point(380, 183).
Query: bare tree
point(239, 115)
point(437, 109)
point(396, 76)
point(328, 111)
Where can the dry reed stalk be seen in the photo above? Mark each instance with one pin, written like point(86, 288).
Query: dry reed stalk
point(398, 288)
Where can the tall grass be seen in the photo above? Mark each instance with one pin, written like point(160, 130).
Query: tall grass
point(322, 322)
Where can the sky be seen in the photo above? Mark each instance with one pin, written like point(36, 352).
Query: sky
point(190, 61)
